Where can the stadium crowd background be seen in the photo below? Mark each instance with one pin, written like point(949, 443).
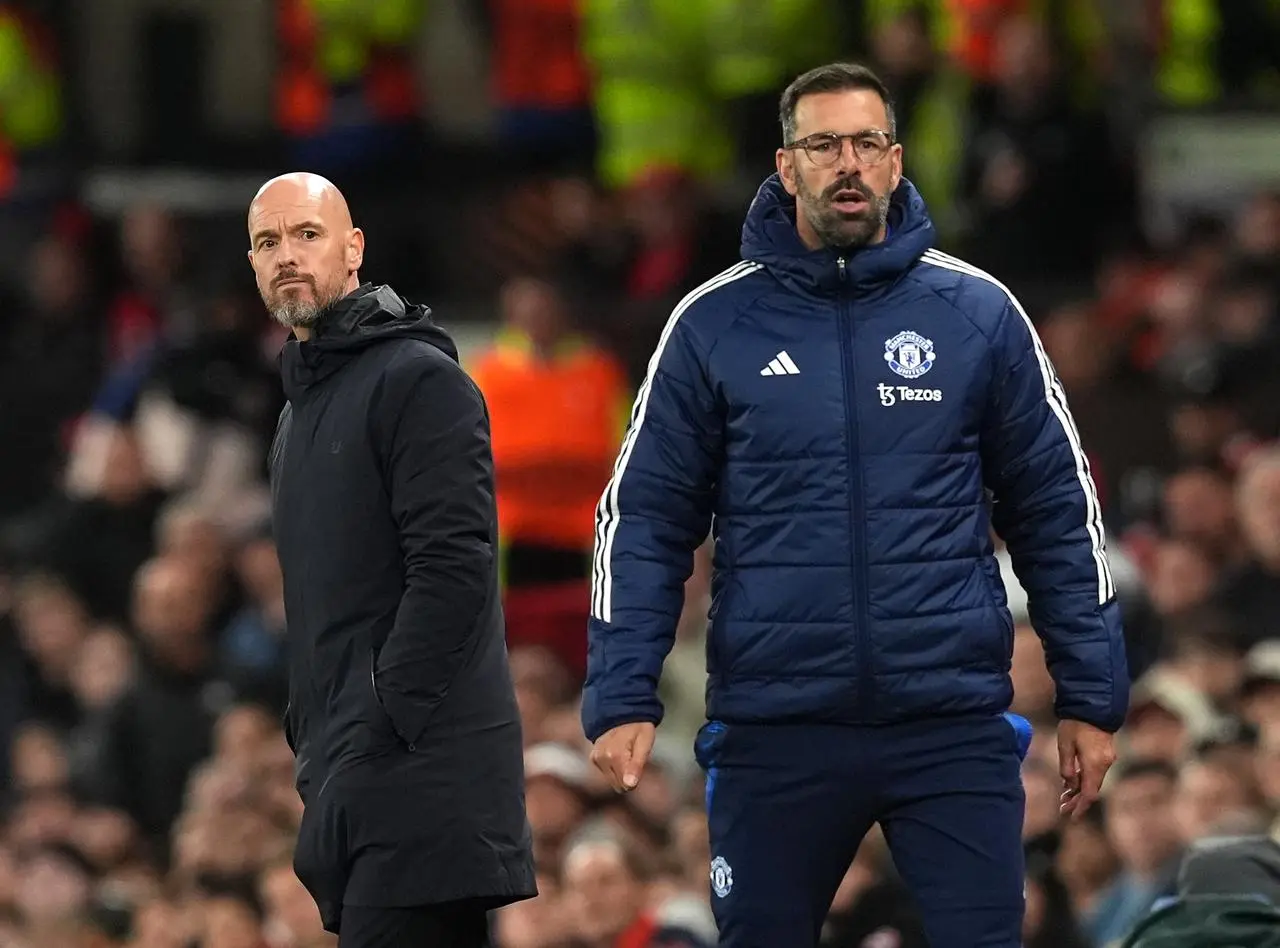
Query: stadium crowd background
point(554, 185)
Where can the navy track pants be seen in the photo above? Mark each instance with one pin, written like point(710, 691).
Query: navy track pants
point(789, 804)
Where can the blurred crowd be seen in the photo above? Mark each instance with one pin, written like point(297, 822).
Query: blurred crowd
point(147, 791)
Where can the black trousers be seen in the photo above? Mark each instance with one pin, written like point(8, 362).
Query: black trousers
point(451, 925)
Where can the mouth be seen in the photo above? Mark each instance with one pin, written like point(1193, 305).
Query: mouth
point(849, 201)
point(291, 281)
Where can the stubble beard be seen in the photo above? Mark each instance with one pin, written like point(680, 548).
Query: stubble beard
point(834, 229)
point(295, 311)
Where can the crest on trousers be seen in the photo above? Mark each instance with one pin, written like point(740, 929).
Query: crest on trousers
point(909, 354)
point(721, 877)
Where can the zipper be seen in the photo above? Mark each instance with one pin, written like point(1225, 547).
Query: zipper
point(858, 571)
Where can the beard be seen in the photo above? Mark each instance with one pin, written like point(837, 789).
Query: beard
point(836, 228)
point(293, 310)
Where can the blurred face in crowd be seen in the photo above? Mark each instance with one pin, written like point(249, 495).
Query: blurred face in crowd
point(241, 734)
point(1140, 821)
point(1032, 685)
point(1042, 787)
point(8, 877)
point(692, 842)
point(259, 568)
point(193, 536)
point(1258, 228)
point(1201, 430)
point(902, 44)
point(534, 923)
point(1243, 313)
point(289, 905)
point(230, 923)
point(1155, 733)
point(1199, 506)
point(1024, 56)
point(554, 809)
point(1260, 706)
point(57, 276)
point(1085, 858)
point(541, 683)
point(42, 820)
point(602, 894)
point(162, 924)
point(303, 247)
point(1258, 506)
point(125, 477)
point(51, 888)
point(1268, 767)
point(150, 239)
point(1075, 346)
point(1206, 794)
point(52, 624)
point(39, 761)
point(172, 602)
point(106, 837)
point(842, 199)
point(1181, 577)
point(535, 309)
point(103, 669)
point(1214, 668)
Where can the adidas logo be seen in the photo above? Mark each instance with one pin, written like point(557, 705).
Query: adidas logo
point(780, 364)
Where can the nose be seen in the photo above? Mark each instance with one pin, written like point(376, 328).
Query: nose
point(848, 163)
point(287, 257)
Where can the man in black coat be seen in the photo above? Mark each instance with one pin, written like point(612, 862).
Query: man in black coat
point(402, 712)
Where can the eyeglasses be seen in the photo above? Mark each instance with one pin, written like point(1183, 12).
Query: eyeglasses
point(825, 148)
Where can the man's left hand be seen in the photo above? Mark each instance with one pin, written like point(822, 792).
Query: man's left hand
point(1085, 754)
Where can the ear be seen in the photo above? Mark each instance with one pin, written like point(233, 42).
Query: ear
point(895, 176)
point(785, 160)
point(250, 259)
point(355, 250)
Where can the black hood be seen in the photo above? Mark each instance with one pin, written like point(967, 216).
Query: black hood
point(365, 317)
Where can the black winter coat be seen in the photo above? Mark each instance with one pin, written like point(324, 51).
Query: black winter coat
point(402, 712)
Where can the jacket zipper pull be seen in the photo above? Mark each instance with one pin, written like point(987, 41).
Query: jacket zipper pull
point(840, 264)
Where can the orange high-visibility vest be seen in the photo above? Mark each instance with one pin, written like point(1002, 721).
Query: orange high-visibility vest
point(556, 427)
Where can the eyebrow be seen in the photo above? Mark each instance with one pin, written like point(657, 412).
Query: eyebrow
point(272, 232)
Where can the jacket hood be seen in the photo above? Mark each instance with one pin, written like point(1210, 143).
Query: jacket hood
point(365, 317)
point(769, 237)
point(1241, 865)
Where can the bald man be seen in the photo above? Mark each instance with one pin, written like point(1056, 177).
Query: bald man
point(402, 714)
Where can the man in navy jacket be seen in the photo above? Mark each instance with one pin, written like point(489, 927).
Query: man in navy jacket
point(849, 412)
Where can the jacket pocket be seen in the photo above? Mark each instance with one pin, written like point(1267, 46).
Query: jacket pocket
point(999, 602)
point(380, 710)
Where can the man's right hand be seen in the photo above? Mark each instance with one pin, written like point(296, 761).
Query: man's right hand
point(622, 752)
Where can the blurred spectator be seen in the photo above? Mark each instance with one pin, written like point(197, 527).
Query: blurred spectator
point(1022, 183)
point(161, 727)
point(50, 361)
point(540, 83)
point(609, 904)
point(1144, 831)
point(873, 907)
point(1252, 591)
point(97, 532)
point(558, 404)
point(252, 644)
